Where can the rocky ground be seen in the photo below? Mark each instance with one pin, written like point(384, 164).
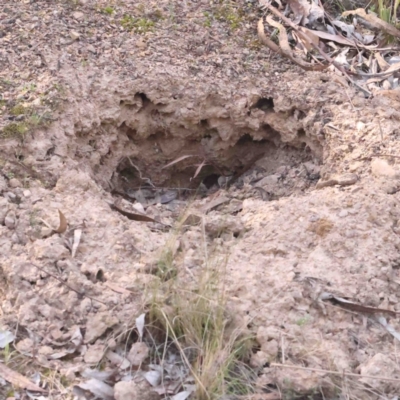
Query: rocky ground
point(97, 98)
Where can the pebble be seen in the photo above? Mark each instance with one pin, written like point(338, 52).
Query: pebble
point(74, 35)
point(9, 220)
point(14, 183)
point(343, 213)
point(91, 48)
point(342, 180)
point(139, 207)
point(126, 391)
point(27, 193)
point(381, 167)
point(3, 184)
point(78, 15)
point(347, 179)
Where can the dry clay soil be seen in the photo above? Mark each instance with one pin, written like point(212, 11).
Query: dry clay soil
point(325, 219)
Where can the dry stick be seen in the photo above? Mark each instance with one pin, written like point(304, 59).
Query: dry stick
point(66, 284)
point(382, 378)
point(315, 47)
point(380, 130)
point(351, 103)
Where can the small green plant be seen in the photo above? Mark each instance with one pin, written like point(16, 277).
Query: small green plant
point(208, 19)
point(226, 13)
point(19, 109)
point(303, 321)
point(165, 266)
point(29, 88)
point(33, 219)
point(387, 10)
point(139, 25)
point(194, 316)
point(108, 10)
point(15, 129)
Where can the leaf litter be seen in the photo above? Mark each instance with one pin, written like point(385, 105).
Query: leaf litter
point(357, 48)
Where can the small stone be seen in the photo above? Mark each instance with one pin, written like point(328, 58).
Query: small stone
point(3, 184)
point(381, 167)
point(269, 181)
point(330, 182)
point(138, 353)
point(45, 350)
point(126, 391)
point(271, 349)
point(343, 214)
point(98, 324)
point(10, 195)
point(140, 43)
point(45, 232)
point(15, 238)
point(9, 220)
point(360, 126)
point(14, 183)
point(392, 189)
point(91, 48)
point(259, 359)
point(78, 15)
point(74, 35)
point(27, 193)
point(139, 207)
point(94, 354)
point(347, 179)
point(26, 346)
point(353, 167)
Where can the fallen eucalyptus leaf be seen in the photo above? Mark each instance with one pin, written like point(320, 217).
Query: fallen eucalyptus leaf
point(134, 216)
point(6, 337)
point(140, 324)
point(77, 239)
point(18, 380)
point(63, 223)
point(98, 388)
point(153, 377)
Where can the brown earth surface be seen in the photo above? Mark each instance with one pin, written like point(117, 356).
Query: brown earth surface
point(313, 209)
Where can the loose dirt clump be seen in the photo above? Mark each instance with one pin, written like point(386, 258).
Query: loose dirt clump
point(197, 172)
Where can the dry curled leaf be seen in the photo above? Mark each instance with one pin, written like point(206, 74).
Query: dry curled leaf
point(349, 305)
point(328, 36)
point(135, 216)
point(63, 223)
point(18, 380)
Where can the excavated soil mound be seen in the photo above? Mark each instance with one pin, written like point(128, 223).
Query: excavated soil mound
point(309, 216)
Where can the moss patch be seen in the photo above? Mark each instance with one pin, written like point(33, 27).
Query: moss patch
point(15, 129)
point(19, 109)
point(139, 25)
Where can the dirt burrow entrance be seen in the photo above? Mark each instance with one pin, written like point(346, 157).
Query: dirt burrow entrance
point(283, 249)
point(205, 139)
